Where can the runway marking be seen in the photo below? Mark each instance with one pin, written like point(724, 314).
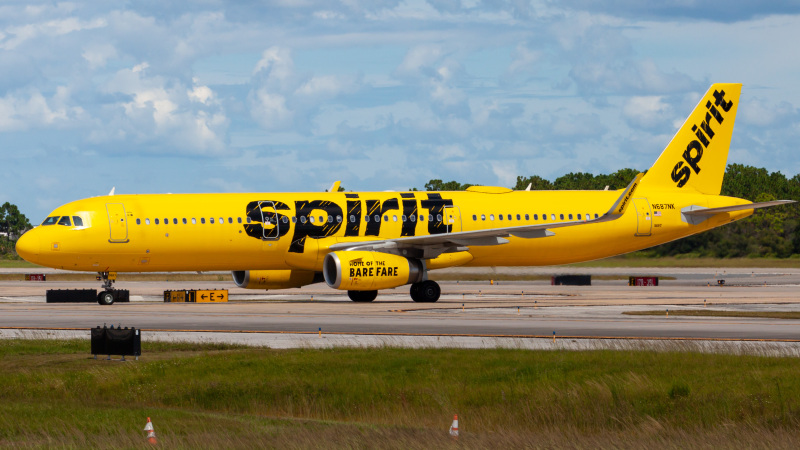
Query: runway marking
point(527, 336)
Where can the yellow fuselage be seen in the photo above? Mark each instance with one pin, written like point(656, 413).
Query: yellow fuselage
point(200, 232)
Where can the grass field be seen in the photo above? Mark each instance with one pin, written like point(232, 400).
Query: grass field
point(52, 394)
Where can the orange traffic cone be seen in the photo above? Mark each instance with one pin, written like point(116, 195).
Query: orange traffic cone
point(151, 433)
point(454, 427)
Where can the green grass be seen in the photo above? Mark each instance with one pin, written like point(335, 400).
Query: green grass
point(17, 264)
point(201, 396)
point(719, 313)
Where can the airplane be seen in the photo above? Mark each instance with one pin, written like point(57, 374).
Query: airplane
point(363, 242)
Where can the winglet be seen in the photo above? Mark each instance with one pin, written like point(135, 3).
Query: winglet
point(621, 205)
point(335, 186)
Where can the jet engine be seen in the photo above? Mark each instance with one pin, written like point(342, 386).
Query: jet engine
point(274, 279)
point(368, 271)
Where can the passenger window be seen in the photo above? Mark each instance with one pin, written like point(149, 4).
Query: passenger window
point(339, 219)
point(230, 219)
point(184, 220)
point(285, 219)
point(414, 218)
point(526, 217)
point(147, 221)
point(366, 218)
point(438, 217)
point(330, 219)
point(483, 216)
point(474, 217)
point(430, 217)
point(544, 216)
point(156, 221)
point(499, 217)
point(50, 220)
point(174, 221)
point(595, 216)
point(166, 221)
point(310, 219)
point(579, 217)
point(552, 217)
point(239, 219)
point(394, 218)
point(221, 220)
point(138, 221)
point(194, 221)
point(65, 221)
point(352, 219)
point(303, 219)
point(570, 217)
point(491, 216)
point(405, 218)
point(294, 219)
point(203, 220)
point(509, 217)
point(249, 220)
point(535, 217)
point(321, 219)
point(77, 221)
point(210, 221)
point(377, 218)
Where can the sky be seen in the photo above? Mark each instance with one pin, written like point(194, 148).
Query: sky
point(276, 96)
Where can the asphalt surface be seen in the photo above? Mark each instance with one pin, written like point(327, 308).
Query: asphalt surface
point(521, 309)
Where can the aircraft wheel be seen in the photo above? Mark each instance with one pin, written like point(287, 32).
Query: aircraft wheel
point(105, 298)
point(426, 291)
point(362, 296)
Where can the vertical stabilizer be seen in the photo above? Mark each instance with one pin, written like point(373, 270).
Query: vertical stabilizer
point(696, 157)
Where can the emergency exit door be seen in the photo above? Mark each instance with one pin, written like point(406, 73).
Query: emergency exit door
point(644, 226)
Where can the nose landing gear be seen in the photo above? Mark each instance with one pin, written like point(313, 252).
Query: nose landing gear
point(109, 295)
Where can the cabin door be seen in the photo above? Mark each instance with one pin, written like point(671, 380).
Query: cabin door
point(117, 223)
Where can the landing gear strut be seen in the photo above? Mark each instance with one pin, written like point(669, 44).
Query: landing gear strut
point(425, 291)
point(106, 296)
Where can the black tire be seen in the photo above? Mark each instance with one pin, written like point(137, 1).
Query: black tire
point(425, 292)
point(105, 298)
point(415, 292)
point(362, 296)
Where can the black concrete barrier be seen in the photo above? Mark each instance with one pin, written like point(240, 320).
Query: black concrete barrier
point(116, 341)
point(71, 296)
point(571, 280)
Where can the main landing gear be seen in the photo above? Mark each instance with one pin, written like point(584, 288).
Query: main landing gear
point(425, 291)
point(422, 292)
point(362, 296)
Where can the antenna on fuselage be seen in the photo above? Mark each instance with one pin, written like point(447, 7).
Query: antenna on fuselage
point(112, 191)
point(529, 187)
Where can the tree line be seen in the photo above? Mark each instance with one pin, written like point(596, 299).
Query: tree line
point(770, 232)
point(12, 224)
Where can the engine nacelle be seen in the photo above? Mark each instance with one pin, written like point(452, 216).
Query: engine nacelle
point(369, 271)
point(274, 279)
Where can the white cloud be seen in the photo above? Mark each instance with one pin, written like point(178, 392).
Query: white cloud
point(647, 111)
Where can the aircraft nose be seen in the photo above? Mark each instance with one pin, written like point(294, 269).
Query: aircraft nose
point(28, 246)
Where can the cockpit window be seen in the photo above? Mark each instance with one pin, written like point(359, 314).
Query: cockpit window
point(65, 221)
point(50, 220)
point(77, 221)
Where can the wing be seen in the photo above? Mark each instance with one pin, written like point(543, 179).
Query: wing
point(431, 246)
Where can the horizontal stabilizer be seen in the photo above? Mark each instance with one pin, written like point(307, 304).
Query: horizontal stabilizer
point(697, 214)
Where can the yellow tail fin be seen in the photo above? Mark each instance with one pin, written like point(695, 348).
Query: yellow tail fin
point(697, 155)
